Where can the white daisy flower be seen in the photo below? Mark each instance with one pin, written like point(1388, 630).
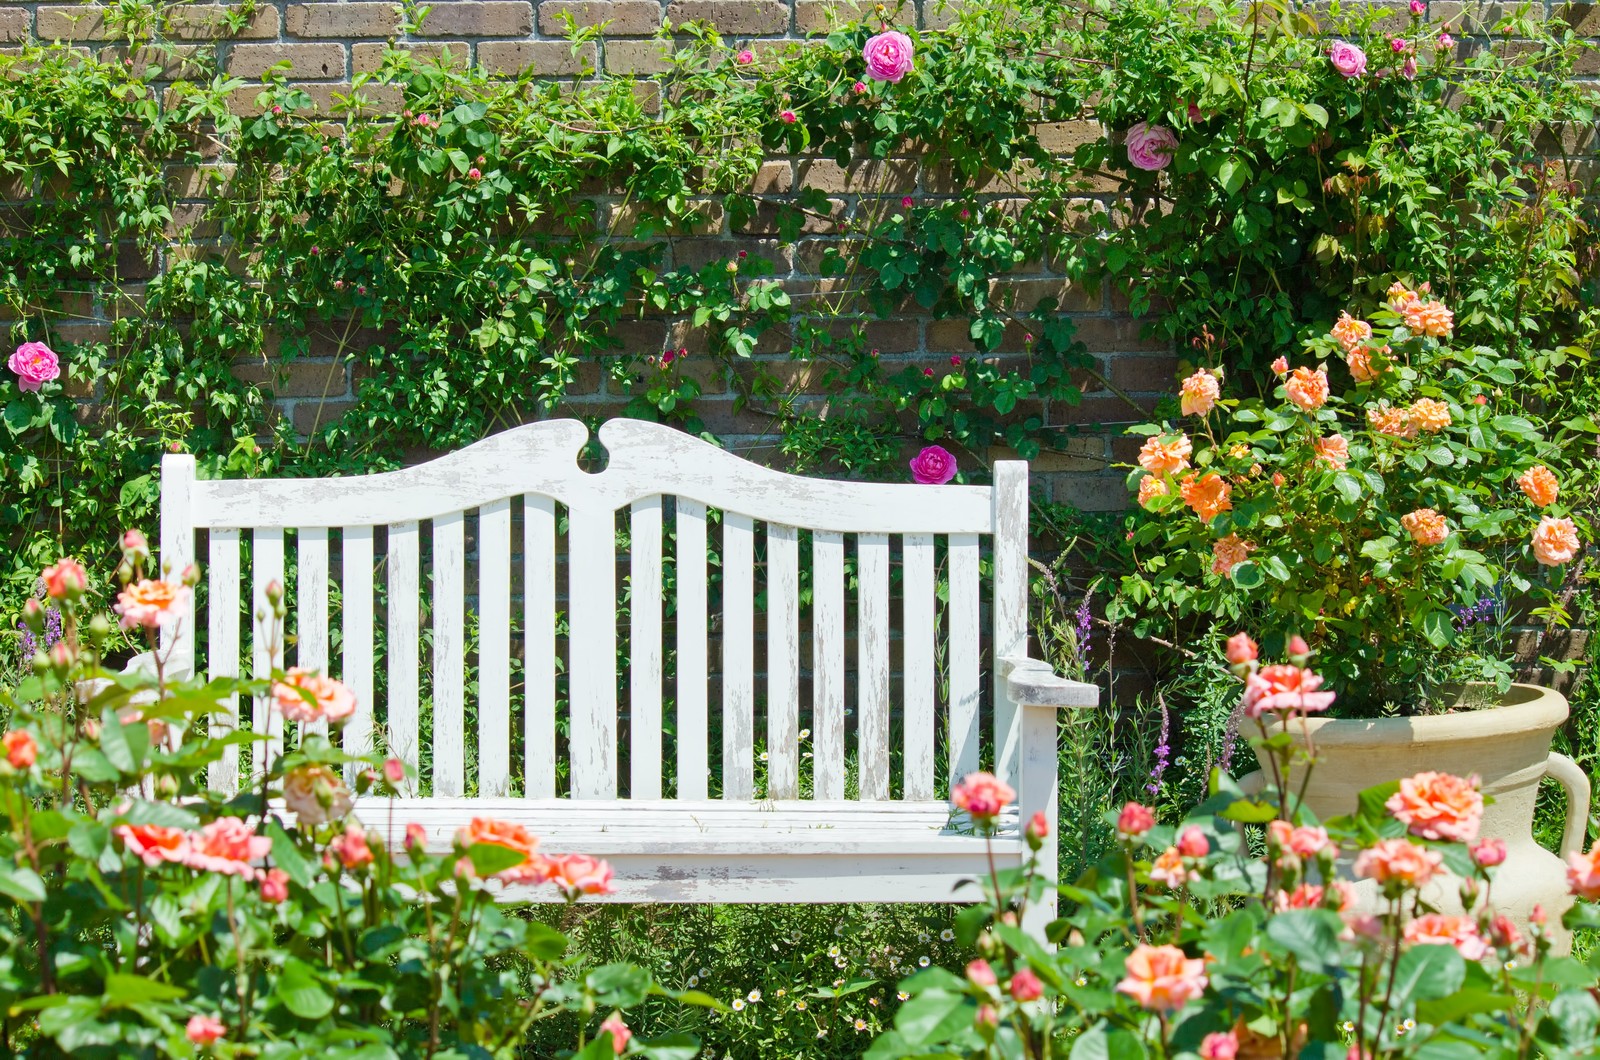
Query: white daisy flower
point(833, 951)
point(738, 1004)
point(861, 1024)
point(754, 996)
point(800, 1006)
point(838, 983)
point(903, 996)
point(782, 991)
point(805, 734)
point(766, 757)
point(1082, 980)
point(947, 935)
point(872, 1001)
point(923, 962)
point(694, 981)
point(839, 962)
point(703, 972)
point(922, 936)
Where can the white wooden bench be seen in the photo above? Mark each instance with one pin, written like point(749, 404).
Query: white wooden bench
point(682, 834)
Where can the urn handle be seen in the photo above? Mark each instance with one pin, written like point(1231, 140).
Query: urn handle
point(1565, 772)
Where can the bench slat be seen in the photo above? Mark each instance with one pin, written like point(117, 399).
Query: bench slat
point(1010, 606)
point(539, 622)
point(872, 631)
point(738, 656)
point(449, 578)
point(827, 672)
point(783, 662)
point(918, 633)
point(266, 566)
point(693, 768)
point(223, 618)
point(405, 631)
point(592, 678)
point(963, 644)
point(494, 647)
point(644, 655)
point(311, 647)
point(356, 623)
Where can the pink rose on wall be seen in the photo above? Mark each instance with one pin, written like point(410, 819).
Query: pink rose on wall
point(35, 364)
point(1151, 147)
point(1348, 59)
point(934, 466)
point(888, 55)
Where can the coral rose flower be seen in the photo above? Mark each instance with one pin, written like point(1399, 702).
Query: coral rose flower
point(1539, 485)
point(21, 750)
point(1304, 841)
point(316, 795)
point(620, 1034)
point(1241, 649)
point(1284, 688)
point(934, 466)
point(228, 846)
point(1334, 451)
point(1308, 388)
point(1192, 843)
point(983, 795)
point(151, 603)
point(1426, 526)
point(304, 695)
point(1198, 394)
point(1305, 896)
point(888, 55)
point(1583, 873)
point(1207, 494)
point(981, 973)
point(1162, 978)
point(1135, 820)
point(1398, 861)
point(1165, 455)
point(1429, 415)
point(1168, 869)
point(1026, 985)
point(1227, 553)
point(532, 869)
point(1429, 318)
point(1396, 423)
point(1555, 541)
point(1439, 806)
point(65, 579)
point(203, 1030)
point(1362, 370)
point(1219, 1045)
point(1151, 147)
point(1151, 487)
point(1437, 929)
point(579, 874)
point(1350, 333)
point(1489, 852)
point(153, 843)
point(274, 886)
point(349, 849)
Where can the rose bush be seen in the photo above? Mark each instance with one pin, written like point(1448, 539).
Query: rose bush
point(1183, 943)
point(1385, 502)
point(144, 915)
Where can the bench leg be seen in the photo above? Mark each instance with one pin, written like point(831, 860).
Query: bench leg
point(1037, 792)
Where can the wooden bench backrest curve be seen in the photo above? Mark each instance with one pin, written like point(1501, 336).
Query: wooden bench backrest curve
point(519, 478)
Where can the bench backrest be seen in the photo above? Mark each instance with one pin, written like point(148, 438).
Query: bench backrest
point(513, 489)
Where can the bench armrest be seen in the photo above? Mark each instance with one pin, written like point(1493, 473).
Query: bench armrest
point(1032, 683)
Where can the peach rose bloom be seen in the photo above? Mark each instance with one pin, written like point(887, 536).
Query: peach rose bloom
point(151, 603)
point(330, 700)
point(983, 795)
point(1241, 649)
point(1306, 841)
point(153, 843)
point(1399, 296)
point(1308, 388)
point(1135, 820)
point(1168, 869)
point(1539, 485)
point(532, 869)
point(316, 794)
point(1429, 415)
point(1429, 318)
point(1583, 874)
point(21, 750)
point(1283, 687)
point(1361, 367)
point(1555, 541)
point(65, 579)
point(1199, 393)
point(1333, 451)
point(1439, 806)
point(1396, 423)
point(1207, 494)
point(1162, 978)
point(228, 846)
point(1280, 366)
point(1165, 456)
point(1426, 526)
point(1350, 332)
point(1398, 861)
point(1305, 896)
point(1227, 553)
point(1436, 929)
point(579, 874)
point(1151, 487)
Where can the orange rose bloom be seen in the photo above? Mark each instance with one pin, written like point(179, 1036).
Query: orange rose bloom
point(1396, 423)
point(1165, 456)
point(1361, 367)
point(1150, 487)
point(1227, 553)
point(1199, 393)
point(1437, 929)
point(1555, 541)
point(21, 751)
point(1429, 318)
point(1429, 415)
point(1400, 296)
point(1162, 978)
point(1426, 526)
point(1207, 495)
point(1333, 450)
point(1438, 806)
point(1350, 332)
point(1308, 388)
point(487, 830)
point(1539, 485)
point(151, 603)
point(1583, 874)
point(1168, 869)
point(329, 699)
point(1398, 861)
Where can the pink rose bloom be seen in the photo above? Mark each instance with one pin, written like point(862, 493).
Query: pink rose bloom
point(226, 845)
point(1241, 649)
point(1192, 843)
point(1348, 59)
point(1162, 978)
point(1222, 1045)
point(1303, 841)
point(1408, 69)
point(1196, 114)
point(1446, 41)
point(789, 117)
point(1583, 874)
point(1418, 6)
point(745, 58)
point(1284, 688)
point(1151, 147)
point(152, 843)
point(1135, 820)
point(979, 973)
point(1280, 366)
point(620, 1034)
point(1436, 929)
point(888, 55)
point(203, 1030)
point(1399, 861)
point(578, 874)
point(65, 579)
point(983, 795)
point(1038, 826)
point(35, 364)
point(394, 771)
point(1489, 852)
point(274, 886)
point(1439, 806)
point(934, 466)
point(1026, 985)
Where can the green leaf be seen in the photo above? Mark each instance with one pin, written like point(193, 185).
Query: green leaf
point(490, 858)
point(1312, 935)
point(125, 746)
point(1248, 575)
point(21, 883)
point(1348, 485)
point(1463, 1003)
point(1439, 628)
point(1427, 972)
point(544, 942)
point(287, 855)
point(933, 1016)
point(301, 992)
point(619, 985)
point(123, 989)
point(1101, 1042)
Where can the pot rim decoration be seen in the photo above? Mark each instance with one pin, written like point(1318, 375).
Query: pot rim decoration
point(1521, 708)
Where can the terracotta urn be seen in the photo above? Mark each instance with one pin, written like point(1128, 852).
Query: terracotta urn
point(1507, 745)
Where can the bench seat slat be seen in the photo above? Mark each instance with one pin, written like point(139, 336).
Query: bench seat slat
point(449, 697)
point(539, 623)
point(693, 740)
point(827, 676)
point(311, 641)
point(223, 619)
point(405, 632)
point(356, 624)
point(783, 662)
point(266, 567)
point(494, 647)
